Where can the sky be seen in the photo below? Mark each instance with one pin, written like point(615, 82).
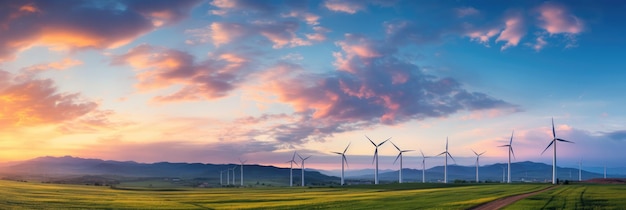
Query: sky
point(222, 81)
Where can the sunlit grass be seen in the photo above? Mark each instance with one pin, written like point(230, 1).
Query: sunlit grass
point(578, 196)
point(397, 196)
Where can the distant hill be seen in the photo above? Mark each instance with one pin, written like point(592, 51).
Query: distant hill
point(521, 172)
point(70, 168)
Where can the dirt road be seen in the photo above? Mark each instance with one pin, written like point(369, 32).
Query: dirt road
point(502, 202)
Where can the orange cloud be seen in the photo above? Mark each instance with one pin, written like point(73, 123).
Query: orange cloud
point(32, 102)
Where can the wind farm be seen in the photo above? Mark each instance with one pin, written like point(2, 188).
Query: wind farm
point(248, 104)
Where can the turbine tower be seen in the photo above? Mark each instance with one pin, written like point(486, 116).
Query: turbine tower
point(510, 146)
point(233, 169)
point(399, 156)
point(303, 159)
point(376, 157)
point(241, 167)
point(445, 167)
point(423, 167)
point(221, 183)
point(343, 160)
point(554, 140)
point(227, 176)
point(477, 163)
point(580, 170)
point(291, 162)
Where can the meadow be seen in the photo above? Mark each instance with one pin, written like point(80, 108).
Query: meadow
point(16, 195)
point(587, 196)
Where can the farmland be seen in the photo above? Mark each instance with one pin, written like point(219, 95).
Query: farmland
point(399, 196)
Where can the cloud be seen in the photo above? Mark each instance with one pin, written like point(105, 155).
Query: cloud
point(77, 25)
point(244, 6)
point(483, 36)
point(540, 43)
point(354, 6)
point(556, 19)
point(513, 32)
point(60, 65)
point(371, 87)
point(617, 135)
point(159, 68)
point(466, 11)
point(27, 101)
point(349, 7)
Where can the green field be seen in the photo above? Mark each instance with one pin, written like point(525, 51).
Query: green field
point(393, 196)
point(590, 196)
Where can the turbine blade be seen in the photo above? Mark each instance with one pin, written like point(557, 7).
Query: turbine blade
point(307, 157)
point(300, 156)
point(338, 153)
point(475, 152)
point(368, 138)
point(505, 145)
point(482, 153)
point(422, 154)
point(345, 159)
point(551, 142)
point(375, 154)
point(446, 143)
point(381, 143)
point(395, 146)
point(452, 158)
point(410, 150)
point(442, 153)
point(553, 131)
point(513, 153)
point(511, 141)
point(345, 150)
point(294, 156)
point(563, 140)
point(400, 154)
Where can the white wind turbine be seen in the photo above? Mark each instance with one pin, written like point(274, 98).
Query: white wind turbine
point(343, 160)
point(227, 176)
point(510, 148)
point(445, 167)
point(221, 182)
point(477, 163)
point(302, 165)
point(291, 162)
point(423, 167)
point(580, 170)
point(399, 156)
point(233, 169)
point(376, 157)
point(554, 140)
point(241, 167)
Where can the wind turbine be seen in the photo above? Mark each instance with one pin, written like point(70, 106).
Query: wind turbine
point(233, 169)
point(477, 163)
point(221, 183)
point(554, 140)
point(291, 162)
point(604, 170)
point(227, 176)
point(303, 159)
point(510, 146)
point(423, 167)
point(580, 170)
point(343, 160)
point(502, 173)
point(399, 156)
point(445, 167)
point(241, 180)
point(376, 157)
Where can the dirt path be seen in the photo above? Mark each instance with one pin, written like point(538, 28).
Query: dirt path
point(502, 202)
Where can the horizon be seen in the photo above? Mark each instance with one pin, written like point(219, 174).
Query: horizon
point(219, 81)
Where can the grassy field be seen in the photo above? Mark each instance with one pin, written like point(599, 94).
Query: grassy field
point(393, 196)
point(577, 196)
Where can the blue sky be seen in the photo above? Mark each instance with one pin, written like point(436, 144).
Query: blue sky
point(215, 81)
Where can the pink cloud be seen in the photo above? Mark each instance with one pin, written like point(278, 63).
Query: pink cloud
point(483, 36)
point(349, 7)
point(513, 32)
point(159, 68)
point(223, 33)
point(27, 101)
point(556, 19)
point(540, 43)
point(79, 25)
point(59, 65)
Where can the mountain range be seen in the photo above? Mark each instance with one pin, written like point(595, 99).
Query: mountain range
point(69, 168)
